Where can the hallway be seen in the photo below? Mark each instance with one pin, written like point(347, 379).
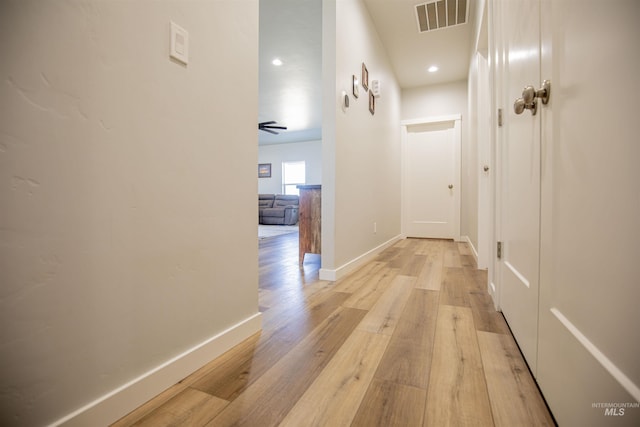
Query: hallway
point(409, 339)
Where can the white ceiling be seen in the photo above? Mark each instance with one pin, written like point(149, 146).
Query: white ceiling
point(291, 30)
point(291, 94)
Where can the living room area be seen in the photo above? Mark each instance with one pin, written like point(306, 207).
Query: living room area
point(277, 214)
point(281, 169)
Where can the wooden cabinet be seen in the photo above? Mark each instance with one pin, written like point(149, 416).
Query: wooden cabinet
point(309, 219)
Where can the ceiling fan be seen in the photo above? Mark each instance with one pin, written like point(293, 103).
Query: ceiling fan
point(270, 126)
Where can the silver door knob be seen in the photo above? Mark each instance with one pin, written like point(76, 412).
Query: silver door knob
point(450, 186)
point(530, 96)
point(530, 93)
point(520, 105)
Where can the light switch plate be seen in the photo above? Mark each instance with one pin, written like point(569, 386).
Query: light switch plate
point(375, 87)
point(179, 43)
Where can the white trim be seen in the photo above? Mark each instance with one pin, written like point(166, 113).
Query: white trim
point(427, 120)
point(343, 270)
point(327, 274)
point(473, 248)
point(124, 399)
point(492, 292)
point(518, 275)
point(615, 372)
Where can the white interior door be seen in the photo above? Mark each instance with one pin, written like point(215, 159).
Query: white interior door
point(485, 163)
point(520, 180)
point(589, 340)
point(568, 204)
point(432, 180)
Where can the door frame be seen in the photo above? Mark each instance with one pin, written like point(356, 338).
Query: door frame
point(499, 105)
point(457, 136)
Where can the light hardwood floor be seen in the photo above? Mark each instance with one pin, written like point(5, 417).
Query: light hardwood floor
point(409, 339)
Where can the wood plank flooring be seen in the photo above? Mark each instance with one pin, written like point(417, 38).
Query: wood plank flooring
point(409, 339)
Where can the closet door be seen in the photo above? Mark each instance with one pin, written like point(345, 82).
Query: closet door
point(589, 340)
point(569, 203)
point(520, 178)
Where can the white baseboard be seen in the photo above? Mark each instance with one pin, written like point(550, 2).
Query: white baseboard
point(493, 295)
point(333, 275)
point(119, 402)
point(474, 252)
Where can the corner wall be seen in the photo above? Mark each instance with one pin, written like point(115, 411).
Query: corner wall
point(120, 171)
point(361, 151)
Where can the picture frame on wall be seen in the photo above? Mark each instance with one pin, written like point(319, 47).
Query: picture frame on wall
point(372, 103)
point(264, 170)
point(365, 77)
point(355, 86)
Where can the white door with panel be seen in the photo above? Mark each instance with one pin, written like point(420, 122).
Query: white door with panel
point(520, 179)
point(569, 203)
point(589, 340)
point(431, 184)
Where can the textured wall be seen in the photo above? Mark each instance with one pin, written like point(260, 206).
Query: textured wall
point(117, 193)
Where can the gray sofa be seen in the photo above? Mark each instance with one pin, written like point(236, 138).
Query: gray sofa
point(278, 209)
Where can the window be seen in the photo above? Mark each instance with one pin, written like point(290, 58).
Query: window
point(293, 174)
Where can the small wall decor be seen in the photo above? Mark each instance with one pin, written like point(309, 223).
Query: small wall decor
point(264, 170)
point(355, 85)
point(375, 87)
point(365, 77)
point(345, 101)
point(372, 103)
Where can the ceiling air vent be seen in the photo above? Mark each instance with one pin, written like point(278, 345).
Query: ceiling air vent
point(441, 14)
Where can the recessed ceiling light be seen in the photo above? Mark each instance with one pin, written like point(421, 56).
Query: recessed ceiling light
point(432, 69)
point(277, 62)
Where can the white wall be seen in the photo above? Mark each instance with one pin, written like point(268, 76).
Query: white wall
point(435, 100)
point(310, 152)
point(116, 253)
point(443, 100)
point(361, 152)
